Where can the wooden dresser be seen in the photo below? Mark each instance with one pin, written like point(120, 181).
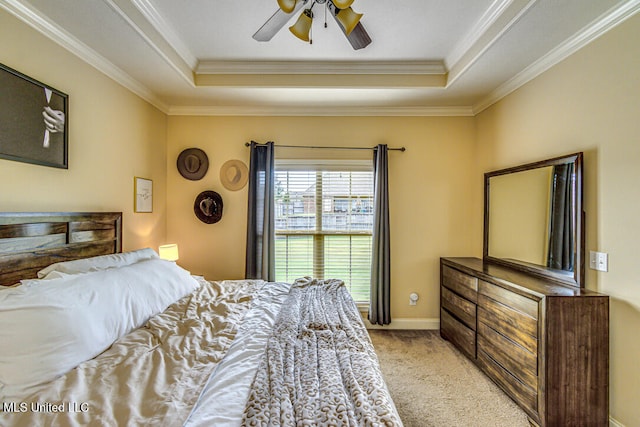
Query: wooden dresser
point(545, 345)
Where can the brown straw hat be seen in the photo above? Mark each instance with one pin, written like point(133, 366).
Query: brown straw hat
point(234, 175)
point(193, 163)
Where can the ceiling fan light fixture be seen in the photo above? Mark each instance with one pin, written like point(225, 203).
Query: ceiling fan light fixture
point(302, 27)
point(342, 4)
point(287, 6)
point(348, 19)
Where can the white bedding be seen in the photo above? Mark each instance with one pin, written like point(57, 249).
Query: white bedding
point(222, 401)
point(50, 326)
point(194, 364)
point(151, 376)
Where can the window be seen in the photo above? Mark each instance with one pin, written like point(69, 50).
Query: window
point(324, 220)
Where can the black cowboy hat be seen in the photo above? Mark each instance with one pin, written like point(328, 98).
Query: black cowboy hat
point(208, 207)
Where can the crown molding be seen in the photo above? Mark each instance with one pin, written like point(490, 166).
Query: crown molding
point(149, 11)
point(322, 67)
point(607, 21)
point(490, 16)
point(270, 111)
point(317, 81)
point(40, 23)
point(149, 27)
point(496, 21)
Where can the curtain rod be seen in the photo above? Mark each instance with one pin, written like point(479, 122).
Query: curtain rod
point(248, 144)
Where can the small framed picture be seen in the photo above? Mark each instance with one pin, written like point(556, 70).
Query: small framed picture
point(142, 195)
point(34, 121)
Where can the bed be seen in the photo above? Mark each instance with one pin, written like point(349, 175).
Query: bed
point(92, 335)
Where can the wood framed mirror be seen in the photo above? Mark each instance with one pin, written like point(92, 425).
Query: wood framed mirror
point(534, 219)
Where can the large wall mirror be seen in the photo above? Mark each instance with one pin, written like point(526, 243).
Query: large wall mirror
point(533, 219)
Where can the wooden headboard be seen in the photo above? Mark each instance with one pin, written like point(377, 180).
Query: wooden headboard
point(30, 241)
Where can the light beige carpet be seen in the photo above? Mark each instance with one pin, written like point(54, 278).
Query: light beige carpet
point(433, 385)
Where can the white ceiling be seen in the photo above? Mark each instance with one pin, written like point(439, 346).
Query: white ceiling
point(427, 57)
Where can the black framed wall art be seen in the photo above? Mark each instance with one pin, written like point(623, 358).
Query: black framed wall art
point(34, 120)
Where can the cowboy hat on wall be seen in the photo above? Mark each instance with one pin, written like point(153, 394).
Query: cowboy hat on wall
point(193, 163)
point(234, 175)
point(208, 207)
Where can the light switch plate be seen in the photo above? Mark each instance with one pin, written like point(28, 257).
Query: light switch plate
point(598, 261)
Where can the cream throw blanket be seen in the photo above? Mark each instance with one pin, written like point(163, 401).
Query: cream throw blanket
point(319, 368)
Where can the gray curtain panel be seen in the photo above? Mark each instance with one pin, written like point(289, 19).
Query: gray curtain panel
point(380, 305)
point(259, 262)
point(561, 223)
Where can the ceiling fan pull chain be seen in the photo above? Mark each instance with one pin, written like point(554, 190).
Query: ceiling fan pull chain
point(311, 28)
point(325, 17)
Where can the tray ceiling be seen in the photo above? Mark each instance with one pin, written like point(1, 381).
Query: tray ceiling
point(427, 57)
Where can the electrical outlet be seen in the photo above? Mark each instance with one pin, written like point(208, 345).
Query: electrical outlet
point(598, 261)
point(413, 298)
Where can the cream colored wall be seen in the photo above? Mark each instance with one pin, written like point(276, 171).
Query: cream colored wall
point(113, 136)
point(590, 103)
point(429, 211)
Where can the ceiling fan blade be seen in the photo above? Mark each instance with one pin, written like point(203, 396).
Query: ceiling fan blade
point(276, 22)
point(359, 38)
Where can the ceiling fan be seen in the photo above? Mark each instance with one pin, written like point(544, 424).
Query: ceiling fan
point(348, 21)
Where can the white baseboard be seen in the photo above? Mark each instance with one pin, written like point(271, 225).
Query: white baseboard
point(614, 423)
point(406, 323)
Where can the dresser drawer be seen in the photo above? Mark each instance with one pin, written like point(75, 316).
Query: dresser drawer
point(461, 336)
point(503, 314)
point(524, 334)
point(521, 393)
point(517, 302)
point(460, 283)
point(520, 362)
point(459, 307)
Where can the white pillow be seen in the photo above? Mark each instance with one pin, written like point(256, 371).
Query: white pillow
point(102, 262)
point(49, 276)
point(50, 329)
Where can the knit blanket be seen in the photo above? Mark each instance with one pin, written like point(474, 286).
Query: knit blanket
point(319, 367)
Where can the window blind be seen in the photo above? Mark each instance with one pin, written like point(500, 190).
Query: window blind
point(323, 222)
